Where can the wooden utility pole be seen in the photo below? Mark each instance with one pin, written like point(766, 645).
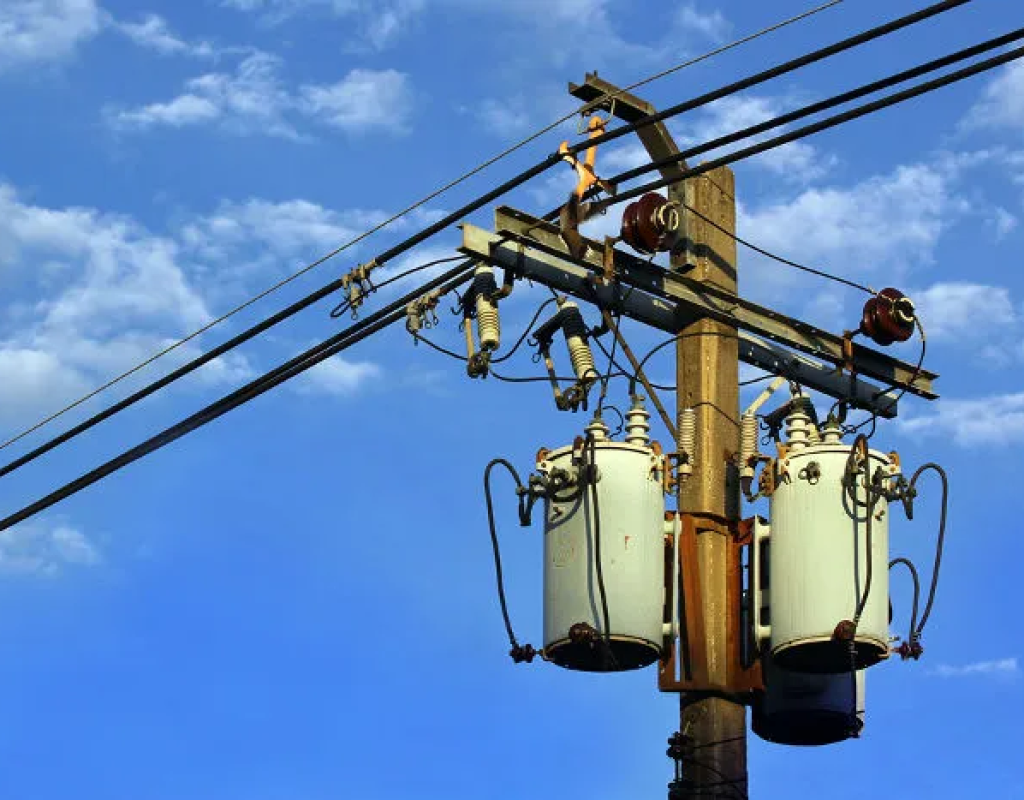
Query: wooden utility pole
point(707, 371)
point(710, 662)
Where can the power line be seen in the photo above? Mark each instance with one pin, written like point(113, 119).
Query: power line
point(808, 130)
point(330, 347)
point(395, 217)
point(537, 169)
point(773, 72)
point(825, 105)
point(185, 369)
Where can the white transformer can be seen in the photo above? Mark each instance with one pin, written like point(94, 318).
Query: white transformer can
point(627, 524)
point(818, 562)
point(799, 708)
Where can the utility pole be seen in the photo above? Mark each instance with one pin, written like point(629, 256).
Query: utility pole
point(710, 655)
point(707, 374)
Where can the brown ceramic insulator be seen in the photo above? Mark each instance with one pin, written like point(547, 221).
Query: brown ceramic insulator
point(641, 226)
point(888, 317)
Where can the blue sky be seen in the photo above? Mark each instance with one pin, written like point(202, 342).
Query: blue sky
point(297, 602)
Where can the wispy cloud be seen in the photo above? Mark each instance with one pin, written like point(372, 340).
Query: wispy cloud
point(40, 31)
point(115, 294)
point(952, 309)
point(711, 24)
point(337, 376)
point(154, 33)
point(796, 161)
point(1002, 103)
point(44, 549)
point(363, 100)
point(255, 100)
point(373, 24)
point(994, 420)
point(1002, 667)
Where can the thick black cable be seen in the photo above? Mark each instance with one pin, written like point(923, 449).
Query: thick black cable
point(526, 332)
point(591, 476)
point(625, 372)
point(941, 538)
point(494, 542)
point(873, 419)
point(825, 105)
point(443, 350)
point(304, 361)
point(607, 378)
point(807, 130)
point(541, 378)
point(475, 205)
point(527, 175)
point(913, 636)
point(773, 72)
point(185, 369)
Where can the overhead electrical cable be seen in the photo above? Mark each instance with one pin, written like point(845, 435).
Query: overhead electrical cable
point(407, 210)
point(801, 133)
point(825, 105)
point(539, 168)
point(356, 332)
point(191, 366)
point(771, 73)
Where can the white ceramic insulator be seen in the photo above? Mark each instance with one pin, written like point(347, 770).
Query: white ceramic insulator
point(798, 430)
point(748, 445)
point(488, 323)
point(687, 440)
point(638, 427)
point(832, 433)
point(582, 359)
point(597, 430)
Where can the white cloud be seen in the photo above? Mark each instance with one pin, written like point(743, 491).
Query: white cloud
point(710, 24)
point(255, 100)
point(116, 294)
point(996, 420)
point(38, 548)
point(363, 100)
point(1003, 223)
point(1002, 103)
point(838, 228)
point(375, 23)
point(388, 21)
point(796, 161)
point(153, 33)
point(964, 310)
point(504, 117)
point(252, 100)
point(338, 377)
point(183, 110)
point(39, 31)
point(1002, 667)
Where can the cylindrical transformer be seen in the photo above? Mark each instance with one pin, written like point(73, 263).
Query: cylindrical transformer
point(818, 562)
point(626, 524)
point(799, 708)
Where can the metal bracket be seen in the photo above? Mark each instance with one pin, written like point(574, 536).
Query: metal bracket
point(668, 301)
point(684, 664)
